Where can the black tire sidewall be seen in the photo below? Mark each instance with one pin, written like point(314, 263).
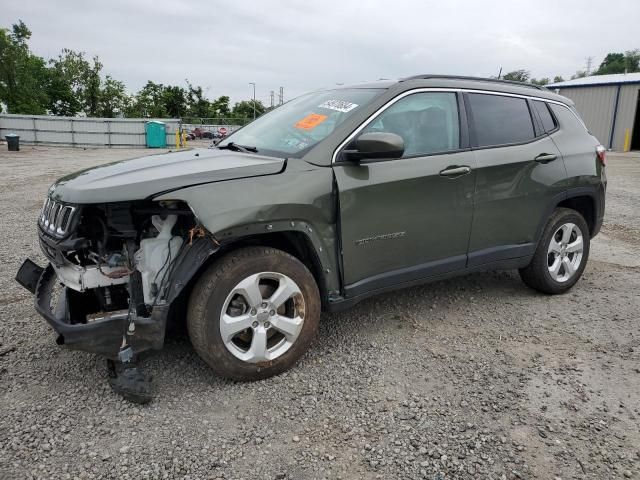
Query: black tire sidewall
point(563, 216)
point(236, 267)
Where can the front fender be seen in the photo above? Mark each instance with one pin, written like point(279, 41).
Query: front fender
point(298, 200)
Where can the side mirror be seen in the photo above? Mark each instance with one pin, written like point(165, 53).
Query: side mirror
point(374, 147)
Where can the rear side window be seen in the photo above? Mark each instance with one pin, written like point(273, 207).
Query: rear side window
point(500, 120)
point(548, 122)
point(568, 120)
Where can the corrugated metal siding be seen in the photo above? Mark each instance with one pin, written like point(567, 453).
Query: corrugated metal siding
point(595, 105)
point(111, 132)
point(627, 105)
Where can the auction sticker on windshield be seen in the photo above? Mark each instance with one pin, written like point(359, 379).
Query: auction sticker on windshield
point(311, 121)
point(339, 105)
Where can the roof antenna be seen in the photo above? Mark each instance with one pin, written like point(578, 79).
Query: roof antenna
point(500, 73)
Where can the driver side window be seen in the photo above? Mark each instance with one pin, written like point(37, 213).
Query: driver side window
point(427, 122)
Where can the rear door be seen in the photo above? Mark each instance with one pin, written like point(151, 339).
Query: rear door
point(519, 173)
point(409, 218)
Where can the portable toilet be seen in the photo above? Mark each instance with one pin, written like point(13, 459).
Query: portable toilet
point(156, 134)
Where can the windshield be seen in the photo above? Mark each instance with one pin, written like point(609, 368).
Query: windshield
point(291, 129)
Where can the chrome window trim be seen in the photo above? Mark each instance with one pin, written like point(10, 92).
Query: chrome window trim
point(375, 114)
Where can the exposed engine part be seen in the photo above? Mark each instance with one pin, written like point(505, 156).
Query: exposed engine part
point(154, 258)
point(84, 278)
point(116, 259)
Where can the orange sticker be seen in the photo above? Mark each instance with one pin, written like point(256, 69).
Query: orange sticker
point(311, 121)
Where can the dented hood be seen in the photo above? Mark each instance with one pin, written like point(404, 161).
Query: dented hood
point(145, 177)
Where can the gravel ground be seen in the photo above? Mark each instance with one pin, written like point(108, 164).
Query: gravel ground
point(474, 377)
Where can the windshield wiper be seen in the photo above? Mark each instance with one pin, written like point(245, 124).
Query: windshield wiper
point(238, 148)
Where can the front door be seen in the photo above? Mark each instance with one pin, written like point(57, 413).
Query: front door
point(410, 218)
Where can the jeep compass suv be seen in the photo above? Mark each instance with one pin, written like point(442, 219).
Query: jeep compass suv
point(333, 197)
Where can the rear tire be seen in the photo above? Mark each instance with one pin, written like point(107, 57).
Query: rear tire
point(561, 255)
point(253, 313)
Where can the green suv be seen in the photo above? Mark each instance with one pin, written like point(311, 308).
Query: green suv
point(326, 200)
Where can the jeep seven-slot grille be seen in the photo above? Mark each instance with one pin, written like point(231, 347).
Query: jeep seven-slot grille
point(56, 217)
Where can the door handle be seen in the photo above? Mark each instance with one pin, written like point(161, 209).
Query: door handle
point(545, 158)
point(455, 171)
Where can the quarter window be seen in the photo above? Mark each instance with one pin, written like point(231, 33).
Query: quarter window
point(427, 122)
point(548, 122)
point(500, 120)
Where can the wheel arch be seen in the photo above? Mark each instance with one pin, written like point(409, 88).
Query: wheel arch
point(583, 200)
point(585, 205)
point(293, 242)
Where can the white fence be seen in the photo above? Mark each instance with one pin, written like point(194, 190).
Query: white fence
point(82, 132)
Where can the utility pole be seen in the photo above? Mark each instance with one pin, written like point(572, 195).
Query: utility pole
point(281, 96)
point(254, 99)
point(271, 95)
point(589, 63)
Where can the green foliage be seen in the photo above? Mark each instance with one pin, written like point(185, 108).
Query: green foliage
point(175, 101)
point(558, 78)
point(518, 76)
point(245, 109)
point(113, 101)
point(71, 84)
point(23, 76)
point(148, 102)
point(542, 81)
point(197, 104)
point(220, 107)
point(620, 63)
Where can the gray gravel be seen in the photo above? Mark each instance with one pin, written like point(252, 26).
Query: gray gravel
point(475, 377)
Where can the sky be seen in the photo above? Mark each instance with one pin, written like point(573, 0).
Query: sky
point(303, 45)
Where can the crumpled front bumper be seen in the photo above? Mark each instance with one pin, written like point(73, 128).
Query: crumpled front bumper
point(103, 336)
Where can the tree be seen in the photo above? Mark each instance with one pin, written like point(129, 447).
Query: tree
point(113, 100)
point(244, 109)
point(221, 107)
point(75, 84)
point(23, 76)
point(620, 63)
point(542, 81)
point(92, 91)
point(518, 76)
point(175, 101)
point(197, 104)
point(148, 102)
point(579, 74)
point(558, 78)
point(156, 100)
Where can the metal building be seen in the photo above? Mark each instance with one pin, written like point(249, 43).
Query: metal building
point(609, 106)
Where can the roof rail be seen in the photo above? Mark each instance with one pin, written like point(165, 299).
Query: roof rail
point(475, 79)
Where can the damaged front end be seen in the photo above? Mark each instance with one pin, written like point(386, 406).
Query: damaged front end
point(114, 272)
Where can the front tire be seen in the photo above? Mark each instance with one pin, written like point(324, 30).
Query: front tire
point(561, 255)
point(253, 313)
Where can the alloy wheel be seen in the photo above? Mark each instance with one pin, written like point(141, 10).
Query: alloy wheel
point(565, 252)
point(262, 317)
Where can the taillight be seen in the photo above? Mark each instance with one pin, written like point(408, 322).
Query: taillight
point(601, 153)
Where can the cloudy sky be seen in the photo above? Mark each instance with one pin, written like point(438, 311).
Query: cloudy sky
point(303, 45)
